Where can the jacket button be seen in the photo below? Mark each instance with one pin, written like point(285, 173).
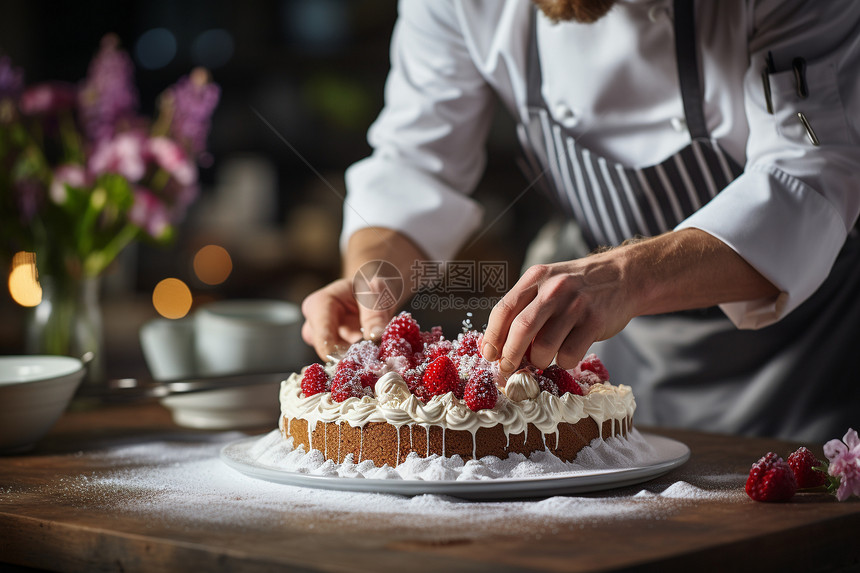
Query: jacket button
point(566, 115)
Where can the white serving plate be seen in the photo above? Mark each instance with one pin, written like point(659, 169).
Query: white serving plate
point(668, 455)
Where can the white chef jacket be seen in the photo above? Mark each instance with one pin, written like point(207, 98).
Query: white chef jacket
point(614, 85)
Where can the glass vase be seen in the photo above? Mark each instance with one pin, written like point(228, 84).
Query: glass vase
point(68, 321)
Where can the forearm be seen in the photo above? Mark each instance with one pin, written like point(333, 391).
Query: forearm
point(381, 244)
point(684, 270)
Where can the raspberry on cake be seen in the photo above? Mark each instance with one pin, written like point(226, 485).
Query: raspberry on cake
point(418, 392)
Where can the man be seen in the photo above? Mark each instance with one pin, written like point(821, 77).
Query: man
point(728, 133)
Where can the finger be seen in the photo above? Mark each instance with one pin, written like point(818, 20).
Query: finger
point(376, 306)
point(506, 310)
point(524, 328)
point(548, 341)
point(322, 320)
point(575, 346)
point(350, 329)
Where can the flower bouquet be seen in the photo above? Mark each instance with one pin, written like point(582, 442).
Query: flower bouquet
point(83, 174)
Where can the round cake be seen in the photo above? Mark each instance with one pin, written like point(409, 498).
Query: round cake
point(417, 392)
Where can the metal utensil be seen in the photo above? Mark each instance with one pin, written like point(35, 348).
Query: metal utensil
point(134, 389)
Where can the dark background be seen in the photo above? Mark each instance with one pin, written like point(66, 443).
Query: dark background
point(314, 70)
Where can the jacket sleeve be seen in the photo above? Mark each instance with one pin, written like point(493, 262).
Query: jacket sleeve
point(428, 141)
point(790, 212)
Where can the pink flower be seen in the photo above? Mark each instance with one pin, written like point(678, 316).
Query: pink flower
point(173, 159)
point(149, 213)
point(71, 175)
point(47, 98)
point(123, 154)
point(844, 459)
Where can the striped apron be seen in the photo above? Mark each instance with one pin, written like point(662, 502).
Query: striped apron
point(613, 202)
point(799, 378)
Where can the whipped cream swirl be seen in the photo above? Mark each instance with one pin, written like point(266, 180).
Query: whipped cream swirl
point(393, 403)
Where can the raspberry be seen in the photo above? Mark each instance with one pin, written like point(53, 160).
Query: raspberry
point(367, 378)
point(346, 384)
point(801, 462)
point(460, 390)
point(440, 377)
point(394, 347)
point(434, 335)
point(436, 349)
point(546, 384)
point(347, 364)
point(771, 479)
point(593, 364)
point(404, 326)
point(588, 378)
point(468, 343)
point(564, 381)
point(481, 392)
point(364, 354)
point(315, 380)
point(413, 382)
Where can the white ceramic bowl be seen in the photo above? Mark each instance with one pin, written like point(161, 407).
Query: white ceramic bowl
point(168, 347)
point(227, 337)
point(248, 336)
point(34, 392)
point(230, 408)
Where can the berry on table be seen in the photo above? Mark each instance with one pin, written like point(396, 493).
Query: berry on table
point(771, 479)
point(802, 463)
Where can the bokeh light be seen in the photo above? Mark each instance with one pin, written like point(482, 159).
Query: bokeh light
point(155, 48)
point(172, 298)
point(23, 280)
point(212, 264)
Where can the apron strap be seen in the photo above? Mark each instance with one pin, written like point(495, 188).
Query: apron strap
point(688, 68)
point(534, 74)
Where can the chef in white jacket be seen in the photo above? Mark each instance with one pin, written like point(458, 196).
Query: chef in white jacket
point(723, 138)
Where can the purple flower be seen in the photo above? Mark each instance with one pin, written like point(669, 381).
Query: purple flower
point(844, 459)
point(11, 79)
point(172, 158)
point(123, 154)
point(193, 99)
point(30, 196)
point(108, 94)
point(149, 213)
point(71, 175)
point(47, 98)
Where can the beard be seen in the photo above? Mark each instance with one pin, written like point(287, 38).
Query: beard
point(583, 11)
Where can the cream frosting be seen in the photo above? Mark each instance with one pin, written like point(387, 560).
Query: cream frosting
point(394, 404)
point(521, 386)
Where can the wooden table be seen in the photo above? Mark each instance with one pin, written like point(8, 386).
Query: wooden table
point(44, 524)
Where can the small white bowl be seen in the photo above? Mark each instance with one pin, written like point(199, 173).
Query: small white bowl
point(226, 409)
point(234, 336)
point(34, 392)
point(222, 338)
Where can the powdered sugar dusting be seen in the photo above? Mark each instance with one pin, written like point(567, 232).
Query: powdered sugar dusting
point(179, 481)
